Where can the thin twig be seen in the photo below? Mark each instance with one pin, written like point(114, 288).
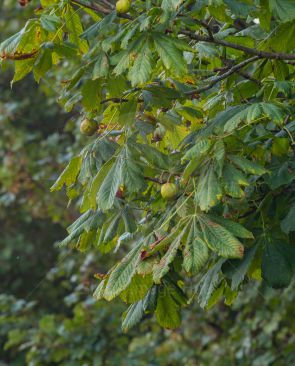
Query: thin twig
point(223, 76)
point(250, 51)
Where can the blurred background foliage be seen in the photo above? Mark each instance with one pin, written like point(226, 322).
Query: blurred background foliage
point(47, 313)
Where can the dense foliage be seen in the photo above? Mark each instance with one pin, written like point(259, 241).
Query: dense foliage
point(189, 175)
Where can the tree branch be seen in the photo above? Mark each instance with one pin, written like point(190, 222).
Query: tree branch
point(210, 84)
point(249, 77)
point(250, 51)
point(223, 76)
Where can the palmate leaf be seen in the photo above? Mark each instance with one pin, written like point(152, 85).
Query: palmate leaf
point(219, 239)
point(195, 252)
point(253, 112)
point(121, 275)
point(170, 55)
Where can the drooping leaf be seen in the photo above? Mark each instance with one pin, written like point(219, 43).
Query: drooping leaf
point(208, 190)
point(109, 187)
point(162, 267)
point(167, 310)
point(132, 316)
point(288, 223)
point(276, 269)
point(209, 283)
point(69, 175)
point(220, 239)
point(195, 253)
point(122, 274)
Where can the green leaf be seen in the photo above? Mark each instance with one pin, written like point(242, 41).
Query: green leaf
point(170, 55)
point(234, 227)
point(22, 68)
point(122, 273)
point(75, 28)
point(69, 175)
point(137, 288)
point(50, 22)
point(220, 239)
point(195, 253)
point(237, 269)
point(171, 5)
point(99, 27)
point(209, 283)
point(11, 44)
point(200, 148)
point(153, 156)
point(141, 70)
point(99, 291)
point(276, 270)
point(288, 223)
point(150, 300)
point(253, 112)
point(108, 189)
point(97, 181)
point(162, 267)
point(42, 64)
point(208, 190)
point(127, 113)
point(247, 166)
point(91, 94)
point(167, 310)
point(284, 10)
point(132, 173)
point(132, 316)
point(101, 66)
point(112, 228)
point(230, 173)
